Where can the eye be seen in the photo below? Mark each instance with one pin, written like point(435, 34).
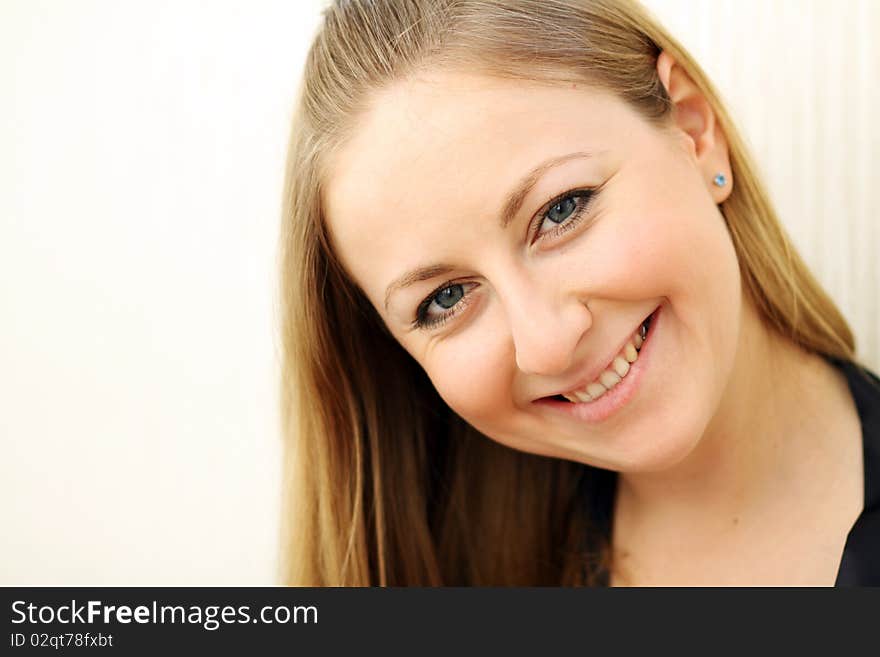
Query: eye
point(562, 210)
point(442, 304)
point(563, 213)
point(449, 296)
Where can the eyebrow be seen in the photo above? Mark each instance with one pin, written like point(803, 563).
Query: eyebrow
point(521, 191)
point(511, 208)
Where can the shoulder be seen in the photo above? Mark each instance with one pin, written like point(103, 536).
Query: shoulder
point(864, 385)
point(861, 566)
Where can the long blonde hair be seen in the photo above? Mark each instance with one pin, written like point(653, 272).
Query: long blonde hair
point(384, 484)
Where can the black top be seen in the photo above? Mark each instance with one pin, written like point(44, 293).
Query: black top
point(860, 565)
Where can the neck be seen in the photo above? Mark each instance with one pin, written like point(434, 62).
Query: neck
point(762, 445)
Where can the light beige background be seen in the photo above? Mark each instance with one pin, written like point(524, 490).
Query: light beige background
point(141, 156)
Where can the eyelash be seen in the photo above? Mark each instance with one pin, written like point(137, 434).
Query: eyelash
point(584, 199)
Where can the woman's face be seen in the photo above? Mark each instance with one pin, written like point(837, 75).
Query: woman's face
point(519, 234)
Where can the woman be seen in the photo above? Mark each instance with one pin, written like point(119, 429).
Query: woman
point(541, 323)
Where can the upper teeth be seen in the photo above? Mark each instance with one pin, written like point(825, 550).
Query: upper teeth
point(618, 369)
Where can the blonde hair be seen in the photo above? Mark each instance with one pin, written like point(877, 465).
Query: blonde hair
point(384, 484)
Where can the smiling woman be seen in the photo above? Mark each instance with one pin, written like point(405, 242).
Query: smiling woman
point(541, 321)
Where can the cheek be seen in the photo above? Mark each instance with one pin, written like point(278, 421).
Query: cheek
point(474, 377)
point(671, 241)
point(686, 254)
point(694, 258)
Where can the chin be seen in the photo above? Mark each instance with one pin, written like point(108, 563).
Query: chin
point(663, 450)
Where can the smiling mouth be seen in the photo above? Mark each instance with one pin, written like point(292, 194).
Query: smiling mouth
point(616, 370)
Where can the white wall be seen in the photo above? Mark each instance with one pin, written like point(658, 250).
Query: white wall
point(141, 158)
point(803, 80)
point(141, 155)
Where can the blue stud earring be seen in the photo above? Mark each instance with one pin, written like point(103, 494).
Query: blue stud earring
point(719, 179)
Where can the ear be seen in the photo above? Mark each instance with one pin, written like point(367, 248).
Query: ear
point(694, 116)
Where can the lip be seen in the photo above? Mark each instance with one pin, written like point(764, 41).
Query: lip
point(593, 374)
point(616, 398)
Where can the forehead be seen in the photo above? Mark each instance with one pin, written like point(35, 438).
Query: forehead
point(427, 166)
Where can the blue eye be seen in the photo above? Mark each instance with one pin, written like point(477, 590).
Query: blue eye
point(563, 212)
point(446, 298)
point(449, 296)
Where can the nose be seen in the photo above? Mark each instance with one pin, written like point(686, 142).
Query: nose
point(546, 325)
